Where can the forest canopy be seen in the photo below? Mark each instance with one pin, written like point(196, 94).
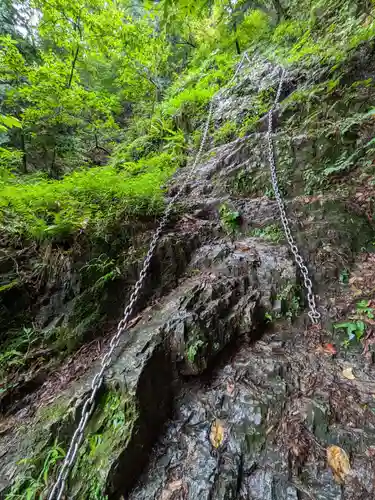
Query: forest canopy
point(101, 100)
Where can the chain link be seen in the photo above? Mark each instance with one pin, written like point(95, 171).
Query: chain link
point(89, 405)
point(313, 313)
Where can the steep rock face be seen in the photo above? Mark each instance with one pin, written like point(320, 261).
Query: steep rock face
point(278, 402)
point(231, 285)
point(237, 283)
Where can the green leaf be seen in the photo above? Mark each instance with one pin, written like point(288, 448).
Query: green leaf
point(10, 121)
point(360, 330)
point(363, 304)
point(350, 326)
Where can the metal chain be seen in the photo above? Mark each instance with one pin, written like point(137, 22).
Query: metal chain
point(313, 313)
point(89, 405)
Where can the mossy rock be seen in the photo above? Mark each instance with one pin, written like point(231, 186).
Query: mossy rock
point(130, 411)
point(330, 234)
point(108, 433)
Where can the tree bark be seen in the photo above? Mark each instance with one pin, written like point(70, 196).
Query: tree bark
point(281, 13)
point(23, 149)
point(73, 67)
point(52, 170)
point(238, 48)
point(100, 147)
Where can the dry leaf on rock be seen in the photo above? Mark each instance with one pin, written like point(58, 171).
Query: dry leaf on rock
point(338, 461)
point(217, 433)
point(327, 349)
point(230, 388)
point(348, 373)
point(169, 493)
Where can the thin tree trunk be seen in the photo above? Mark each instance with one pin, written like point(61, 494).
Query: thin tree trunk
point(24, 159)
point(73, 67)
point(52, 172)
point(238, 48)
point(100, 147)
point(281, 13)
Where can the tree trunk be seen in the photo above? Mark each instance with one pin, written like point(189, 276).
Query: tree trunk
point(53, 174)
point(238, 48)
point(23, 149)
point(100, 147)
point(281, 13)
point(73, 67)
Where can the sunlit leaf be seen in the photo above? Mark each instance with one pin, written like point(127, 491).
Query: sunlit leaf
point(217, 433)
point(348, 373)
point(339, 463)
point(10, 121)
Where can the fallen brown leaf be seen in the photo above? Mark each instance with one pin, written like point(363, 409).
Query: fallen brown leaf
point(326, 349)
point(217, 433)
point(230, 388)
point(339, 463)
point(348, 373)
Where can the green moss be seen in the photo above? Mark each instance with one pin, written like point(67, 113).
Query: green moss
point(52, 413)
point(108, 433)
point(249, 183)
point(271, 233)
point(225, 133)
point(9, 286)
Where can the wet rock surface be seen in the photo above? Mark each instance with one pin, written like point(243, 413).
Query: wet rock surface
point(228, 287)
point(196, 358)
point(280, 404)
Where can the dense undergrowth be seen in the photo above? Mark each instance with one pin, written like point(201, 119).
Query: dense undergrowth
point(330, 104)
point(147, 122)
point(153, 146)
point(85, 200)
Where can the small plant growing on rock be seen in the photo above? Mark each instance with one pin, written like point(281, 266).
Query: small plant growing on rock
point(230, 219)
point(356, 326)
point(271, 233)
point(290, 301)
point(268, 317)
point(31, 485)
point(192, 350)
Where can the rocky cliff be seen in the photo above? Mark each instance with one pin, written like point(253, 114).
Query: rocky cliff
point(221, 389)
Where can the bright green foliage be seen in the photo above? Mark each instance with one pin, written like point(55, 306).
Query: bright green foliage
point(102, 100)
point(230, 219)
point(37, 475)
point(355, 328)
point(84, 200)
point(128, 84)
